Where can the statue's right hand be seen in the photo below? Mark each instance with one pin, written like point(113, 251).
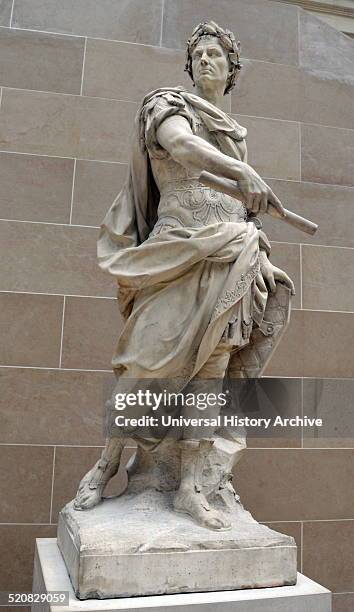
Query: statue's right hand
point(258, 196)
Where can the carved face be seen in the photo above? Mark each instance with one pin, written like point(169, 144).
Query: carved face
point(210, 64)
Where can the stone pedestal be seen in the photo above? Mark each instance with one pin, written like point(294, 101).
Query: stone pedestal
point(306, 596)
point(137, 545)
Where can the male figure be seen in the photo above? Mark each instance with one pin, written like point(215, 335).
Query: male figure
point(191, 264)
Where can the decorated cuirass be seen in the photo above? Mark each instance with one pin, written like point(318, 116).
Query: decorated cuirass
point(184, 201)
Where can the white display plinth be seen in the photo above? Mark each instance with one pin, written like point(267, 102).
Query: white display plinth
point(50, 574)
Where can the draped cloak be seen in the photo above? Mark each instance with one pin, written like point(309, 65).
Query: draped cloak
point(178, 289)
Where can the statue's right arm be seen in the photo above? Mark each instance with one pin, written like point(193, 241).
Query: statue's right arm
point(175, 135)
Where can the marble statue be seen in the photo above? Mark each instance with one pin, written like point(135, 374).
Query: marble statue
point(202, 302)
point(192, 264)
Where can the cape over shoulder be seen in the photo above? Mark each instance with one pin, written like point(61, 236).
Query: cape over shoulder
point(176, 100)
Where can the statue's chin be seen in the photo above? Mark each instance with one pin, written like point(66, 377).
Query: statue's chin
point(205, 79)
point(207, 82)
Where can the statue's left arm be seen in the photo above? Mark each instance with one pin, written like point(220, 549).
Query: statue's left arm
point(270, 273)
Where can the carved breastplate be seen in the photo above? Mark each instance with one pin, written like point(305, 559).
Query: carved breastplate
point(184, 201)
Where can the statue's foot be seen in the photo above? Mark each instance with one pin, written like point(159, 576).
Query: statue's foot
point(92, 485)
point(194, 504)
point(90, 490)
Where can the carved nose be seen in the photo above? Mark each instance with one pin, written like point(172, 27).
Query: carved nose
point(204, 61)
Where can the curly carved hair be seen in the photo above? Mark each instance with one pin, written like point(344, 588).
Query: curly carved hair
point(227, 41)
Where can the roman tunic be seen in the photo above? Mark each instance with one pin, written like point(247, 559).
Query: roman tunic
point(185, 257)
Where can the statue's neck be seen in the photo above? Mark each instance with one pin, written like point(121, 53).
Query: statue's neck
point(213, 97)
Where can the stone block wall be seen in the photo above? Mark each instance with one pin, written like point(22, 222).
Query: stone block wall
point(71, 76)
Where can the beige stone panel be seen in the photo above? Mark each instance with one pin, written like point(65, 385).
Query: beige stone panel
point(273, 146)
point(267, 31)
point(327, 155)
point(296, 485)
point(343, 603)
point(35, 188)
point(5, 12)
point(30, 328)
point(291, 529)
point(272, 397)
point(91, 330)
point(67, 126)
point(316, 344)
point(267, 89)
point(127, 72)
point(331, 207)
point(51, 259)
point(132, 20)
point(46, 62)
point(284, 92)
point(26, 481)
point(326, 100)
point(328, 554)
point(325, 51)
point(96, 186)
point(332, 401)
point(328, 278)
point(52, 406)
point(287, 257)
point(16, 562)
point(76, 462)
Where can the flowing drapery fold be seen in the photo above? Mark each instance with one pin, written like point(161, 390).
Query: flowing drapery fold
point(178, 289)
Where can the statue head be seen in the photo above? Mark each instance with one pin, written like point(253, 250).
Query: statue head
point(207, 38)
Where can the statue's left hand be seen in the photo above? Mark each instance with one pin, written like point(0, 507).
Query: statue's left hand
point(271, 274)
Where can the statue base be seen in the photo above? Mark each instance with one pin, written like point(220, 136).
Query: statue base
point(50, 575)
point(137, 545)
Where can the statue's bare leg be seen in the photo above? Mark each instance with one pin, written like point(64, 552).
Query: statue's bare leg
point(189, 498)
point(92, 485)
